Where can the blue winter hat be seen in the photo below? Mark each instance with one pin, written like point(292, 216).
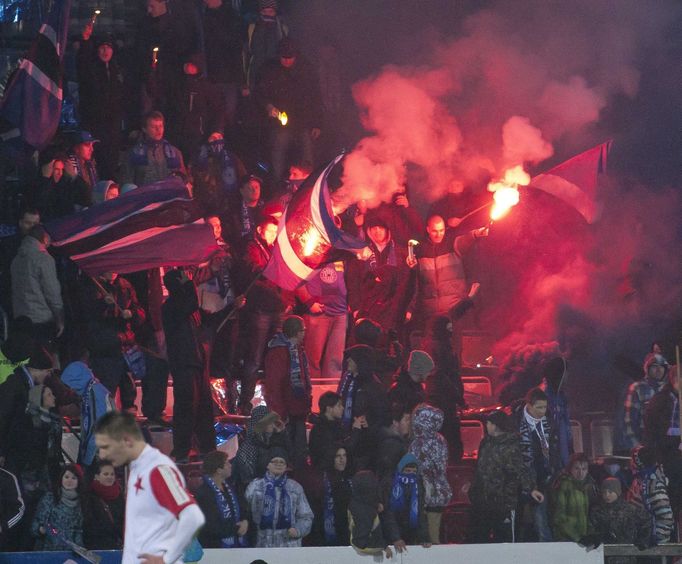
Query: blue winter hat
point(406, 460)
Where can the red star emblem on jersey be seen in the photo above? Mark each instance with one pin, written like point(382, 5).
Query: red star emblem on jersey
point(138, 485)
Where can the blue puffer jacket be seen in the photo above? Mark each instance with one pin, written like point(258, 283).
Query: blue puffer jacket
point(95, 402)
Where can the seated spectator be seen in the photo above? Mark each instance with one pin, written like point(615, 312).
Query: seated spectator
point(59, 517)
point(649, 490)
point(408, 387)
point(288, 390)
point(364, 523)
point(95, 402)
point(431, 451)
point(404, 514)
point(226, 522)
point(82, 165)
point(617, 521)
point(12, 509)
point(279, 508)
point(104, 510)
point(332, 497)
point(327, 430)
point(153, 158)
point(104, 191)
point(570, 499)
point(500, 476)
point(264, 431)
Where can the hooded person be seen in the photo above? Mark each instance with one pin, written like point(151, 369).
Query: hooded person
point(570, 496)
point(279, 509)
point(366, 532)
point(639, 394)
point(649, 489)
point(553, 384)
point(431, 450)
point(95, 402)
point(105, 190)
point(403, 496)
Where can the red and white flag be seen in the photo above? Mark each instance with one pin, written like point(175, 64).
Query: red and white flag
point(576, 180)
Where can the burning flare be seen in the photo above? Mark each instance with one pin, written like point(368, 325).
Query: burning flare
point(505, 191)
point(310, 240)
point(283, 118)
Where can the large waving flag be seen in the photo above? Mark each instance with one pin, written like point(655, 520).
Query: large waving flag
point(576, 180)
point(307, 234)
point(155, 225)
point(32, 102)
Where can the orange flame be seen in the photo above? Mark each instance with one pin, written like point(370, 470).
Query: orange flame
point(283, 118)
point(505, 191)
point(310, 238)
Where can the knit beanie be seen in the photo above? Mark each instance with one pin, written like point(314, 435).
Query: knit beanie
point(367, 332)
point(262, 4)
point(654, 358)
point(500, 419)
point(611, 485)
point(420, 364)
point(278, 452)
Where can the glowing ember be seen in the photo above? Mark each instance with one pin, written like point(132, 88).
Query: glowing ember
point(155, 56)
point(310, 240)
point(283, 118)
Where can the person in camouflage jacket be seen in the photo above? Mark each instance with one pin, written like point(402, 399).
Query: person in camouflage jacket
point(501, 476)
point(617, 521)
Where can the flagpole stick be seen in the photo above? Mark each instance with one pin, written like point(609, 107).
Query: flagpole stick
point(235, 309)
point(679, 392)
point(102, 289)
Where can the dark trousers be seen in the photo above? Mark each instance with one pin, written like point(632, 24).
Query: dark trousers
point(113, 373)
point(298, 441)
point(154, 387)
point(192, 411)
point(488, 526)
point(259, 327)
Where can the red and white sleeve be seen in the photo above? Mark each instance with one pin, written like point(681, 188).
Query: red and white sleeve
point(169, 490)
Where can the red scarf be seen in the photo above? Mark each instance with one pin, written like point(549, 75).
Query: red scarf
point(107, 493)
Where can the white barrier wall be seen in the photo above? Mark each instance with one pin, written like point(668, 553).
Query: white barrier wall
point(520, 553)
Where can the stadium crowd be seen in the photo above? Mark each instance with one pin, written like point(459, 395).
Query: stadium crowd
point(223, 100)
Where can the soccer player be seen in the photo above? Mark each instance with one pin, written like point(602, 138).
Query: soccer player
point(161, 515)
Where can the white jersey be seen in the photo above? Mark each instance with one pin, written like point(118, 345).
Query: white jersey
point(156, 496)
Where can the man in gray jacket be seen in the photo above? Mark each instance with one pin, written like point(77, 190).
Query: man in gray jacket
point(36, 292)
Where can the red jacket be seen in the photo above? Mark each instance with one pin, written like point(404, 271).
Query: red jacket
point(279, 393)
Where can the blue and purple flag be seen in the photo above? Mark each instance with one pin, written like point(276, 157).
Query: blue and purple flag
point(152, 226)
point(32, 103)
point(307, 234)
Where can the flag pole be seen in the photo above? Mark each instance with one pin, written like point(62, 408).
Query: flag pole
point(235, 309)
point(679, 393)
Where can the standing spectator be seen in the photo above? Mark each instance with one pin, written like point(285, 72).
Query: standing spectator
point(381, 287)
point(193, 408)
point(408, 388)
point(392, 440)
point(263, 310)
point(82, 162)
point(640, 393)
point(153, 158)
point(9, 248)
point(501, 475)
point(244, 213)
point(263, 37)
point(101, 94)
point(431, 451)
point(225, 78)
point(36, 292)
point(400, 218)
point(59, 517)
point(279, 508)
point(264, 431)
point(288, 390)
point(53, 192)
point(12, 508)
point(104, 510)
point(189, 127)
point(226, 522)
point(617, 521)
point(649, 489)
point(441, 281)
point(570, 497)
point(557, 407)
point(95, 402)
point(540, 453)
point(403, 498)
point(326, 318)
point(16, 350)
point(444, 387)
point(365, 527)
point(289, 85)
point(161, 515)
point(327, 430)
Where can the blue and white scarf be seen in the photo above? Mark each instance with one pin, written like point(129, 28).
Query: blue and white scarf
point(267, 520)
point(139, 156)
point(346, 390)
point(229, 508)
point(329, 522)
point(298, 371)
point(88, 418)
point(399, 492)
